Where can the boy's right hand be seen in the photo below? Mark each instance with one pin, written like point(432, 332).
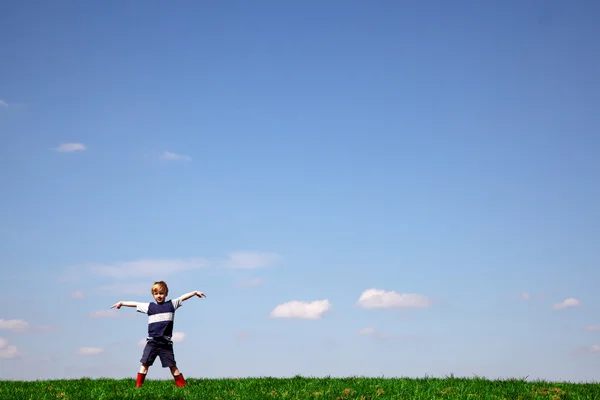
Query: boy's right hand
point(117, 305)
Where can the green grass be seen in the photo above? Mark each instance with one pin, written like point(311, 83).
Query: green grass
point(299, 388)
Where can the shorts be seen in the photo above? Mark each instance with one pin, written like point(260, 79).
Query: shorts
point(160, 349)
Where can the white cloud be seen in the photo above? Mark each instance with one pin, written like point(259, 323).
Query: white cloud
point(6, 351)
point(69, 147)
point(15, 325)
point(366, 331)
point(150, 268)
point(9, 353)
point(302, 310)
point(249, 260)
point(146, 268)
point(525, 296)
point(19, 326)
point(77, 294)
point(167, 155)
point(90, 351)
point(178, 337)
point(374, 298)
point(593, 328)
point(3, 103)
point(251, 282)
point(570, 302)
point(595, 348)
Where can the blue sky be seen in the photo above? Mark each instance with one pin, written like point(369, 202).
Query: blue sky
point(396, 188)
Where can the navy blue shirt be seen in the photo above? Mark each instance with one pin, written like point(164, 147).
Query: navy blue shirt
point(160, 318)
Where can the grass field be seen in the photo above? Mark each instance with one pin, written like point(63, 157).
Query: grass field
point(299, 388)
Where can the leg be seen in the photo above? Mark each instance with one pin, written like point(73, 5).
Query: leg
point(178, 376)
point(144, 368)
point(148, 357)
point(167, 358)
point(141, 376)
point(174, 370)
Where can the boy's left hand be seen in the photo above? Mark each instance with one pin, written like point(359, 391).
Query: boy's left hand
point(118, 305)
point(200, 294)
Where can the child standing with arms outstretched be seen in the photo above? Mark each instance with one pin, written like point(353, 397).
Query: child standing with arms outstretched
point(160, 330)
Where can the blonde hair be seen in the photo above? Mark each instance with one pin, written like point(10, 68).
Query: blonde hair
point(160, 286)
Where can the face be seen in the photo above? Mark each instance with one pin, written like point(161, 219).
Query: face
point(159, 296)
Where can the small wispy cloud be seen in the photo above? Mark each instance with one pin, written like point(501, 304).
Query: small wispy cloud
point(77, 294)
point(594, 348)
point(375, 298)
point(168, 155)
point(301, 309)
point(3, 103)
point(146, 267)
point(7, 352)
point(178, 337)
point(250, 260)
point(70, 147)
point(366, 331)
point(593, 328)
point(20, 326)
point(525, 296)
point(15, 325)
point(90, 351)
point(149, 268)
point(567, 303)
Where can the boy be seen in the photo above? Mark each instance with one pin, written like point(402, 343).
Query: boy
point(160, 330)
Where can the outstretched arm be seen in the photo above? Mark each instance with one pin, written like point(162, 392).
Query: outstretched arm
point(125, 303)
point(192, 294)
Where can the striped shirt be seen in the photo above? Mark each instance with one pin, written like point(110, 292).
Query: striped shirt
point(160, 318)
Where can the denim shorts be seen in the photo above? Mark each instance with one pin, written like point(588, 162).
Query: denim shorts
point(161, 349)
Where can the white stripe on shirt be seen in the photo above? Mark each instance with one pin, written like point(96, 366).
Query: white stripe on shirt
point(166, 316)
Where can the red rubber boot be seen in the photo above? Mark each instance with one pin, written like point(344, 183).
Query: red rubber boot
point(180, 380)
point(140, 379)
